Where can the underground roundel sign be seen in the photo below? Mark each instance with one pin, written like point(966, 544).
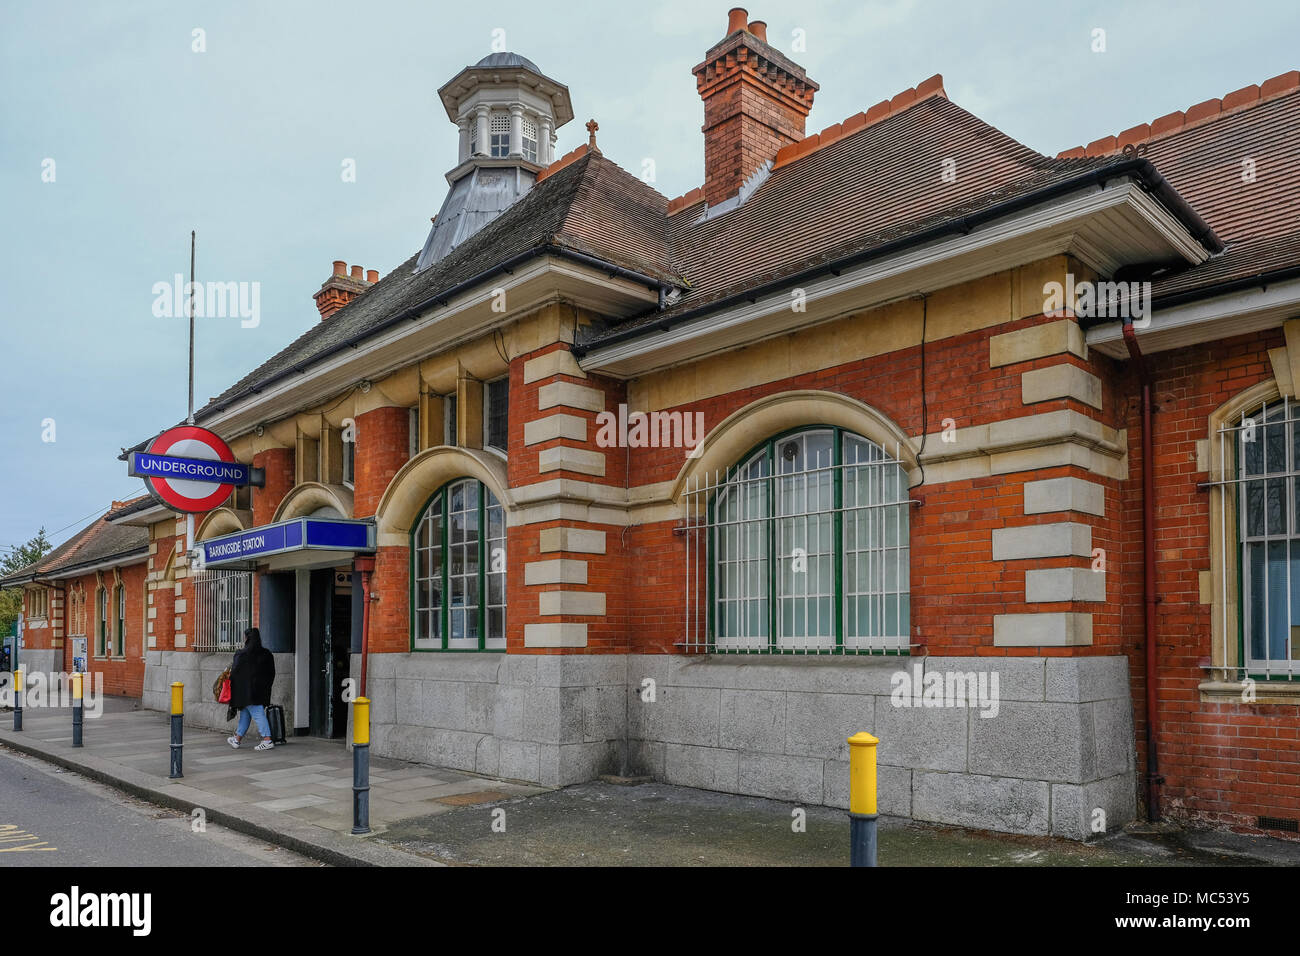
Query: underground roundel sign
point(189, 469)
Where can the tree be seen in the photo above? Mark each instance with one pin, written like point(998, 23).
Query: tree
point(15, 559)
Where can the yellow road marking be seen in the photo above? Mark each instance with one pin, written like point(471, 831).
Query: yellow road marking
point(11, 833)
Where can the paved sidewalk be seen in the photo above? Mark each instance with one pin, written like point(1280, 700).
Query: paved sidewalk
point(298, 795)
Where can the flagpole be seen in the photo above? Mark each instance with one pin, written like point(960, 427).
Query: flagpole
point(190, 419)
point(189, 518)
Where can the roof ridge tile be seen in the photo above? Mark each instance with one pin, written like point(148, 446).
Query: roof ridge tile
point(1200, 114)
point(837, 131)
point(572, 156)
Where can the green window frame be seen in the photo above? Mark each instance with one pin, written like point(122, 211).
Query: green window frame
point(808, 548)
point(101, 628)
point(458, 570)
point(120, 591)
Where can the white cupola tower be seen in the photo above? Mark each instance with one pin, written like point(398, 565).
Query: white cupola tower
point(507, 111)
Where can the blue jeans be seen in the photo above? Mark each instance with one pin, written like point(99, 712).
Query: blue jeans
point(253, 712)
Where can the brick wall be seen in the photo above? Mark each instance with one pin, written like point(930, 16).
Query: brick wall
point(383, 446)
point(1224, 763)
point(278, 463)
point(123, 675)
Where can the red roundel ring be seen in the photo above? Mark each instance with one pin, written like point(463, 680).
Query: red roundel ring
point(190, 441)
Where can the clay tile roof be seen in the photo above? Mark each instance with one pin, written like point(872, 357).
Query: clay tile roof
point(1208, 153)
point(99, 541)
point(880, 182)
point(586, 203)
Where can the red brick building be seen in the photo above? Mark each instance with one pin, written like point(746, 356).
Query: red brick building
point(995, 460)
point(84, 607)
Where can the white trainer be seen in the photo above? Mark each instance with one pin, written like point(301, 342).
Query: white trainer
point(265, 745)
point(233, 741)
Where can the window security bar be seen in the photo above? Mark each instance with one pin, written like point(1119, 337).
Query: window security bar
point(1259, 526)
point(223, 609)
point(799, 556)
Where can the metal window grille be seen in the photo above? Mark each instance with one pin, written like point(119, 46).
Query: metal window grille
point(1260, 541)
point(499, 134)
point(802, 548)
point(530, 140)
point(224, 608)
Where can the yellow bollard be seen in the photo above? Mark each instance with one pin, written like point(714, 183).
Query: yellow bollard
point(178, 697)
point(862, 799)
point(18, 699)
point(361, 766)
point(862, 773)
point(361, 722)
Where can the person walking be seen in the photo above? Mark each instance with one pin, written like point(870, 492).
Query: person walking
point(251, 675)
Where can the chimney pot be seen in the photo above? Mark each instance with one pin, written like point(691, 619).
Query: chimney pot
point(358, 272)
point(372, 276)
point(750, 122)
point(340, 267)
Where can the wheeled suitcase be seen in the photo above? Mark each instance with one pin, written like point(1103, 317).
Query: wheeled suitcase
point(275, 717)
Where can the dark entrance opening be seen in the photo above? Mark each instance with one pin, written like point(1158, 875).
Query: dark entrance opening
point(330, 634)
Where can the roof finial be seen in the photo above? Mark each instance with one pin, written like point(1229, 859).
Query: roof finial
point(592, 126)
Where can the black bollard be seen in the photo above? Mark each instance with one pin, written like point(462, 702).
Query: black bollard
point(178, 728)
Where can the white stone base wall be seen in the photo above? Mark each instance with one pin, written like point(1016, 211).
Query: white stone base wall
point(550, 720)
point(1059, 749)
point(46, 660)
point(198, 671)
point(1056, 759)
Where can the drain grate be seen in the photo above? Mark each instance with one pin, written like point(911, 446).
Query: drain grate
point(1279, 823)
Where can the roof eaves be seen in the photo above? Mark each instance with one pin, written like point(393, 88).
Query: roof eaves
point(1138, 167)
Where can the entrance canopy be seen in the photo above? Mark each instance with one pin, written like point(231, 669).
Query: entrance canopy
point(297, 543)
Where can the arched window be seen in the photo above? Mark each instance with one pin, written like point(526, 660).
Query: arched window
point(809, 538)
point(458, 571)
point(120, 593)
point(101, 622)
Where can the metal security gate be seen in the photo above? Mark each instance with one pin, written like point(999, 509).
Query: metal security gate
point(223, 609)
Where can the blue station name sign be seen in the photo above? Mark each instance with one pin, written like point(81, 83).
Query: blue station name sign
point(143, 464)
point(298, 534)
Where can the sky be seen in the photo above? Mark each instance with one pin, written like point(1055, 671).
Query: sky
point(122, 129)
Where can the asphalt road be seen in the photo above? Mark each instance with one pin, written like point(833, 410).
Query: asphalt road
point(53, 817)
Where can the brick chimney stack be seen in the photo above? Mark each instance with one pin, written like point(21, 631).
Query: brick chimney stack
point(755, 101)
point(340, 288)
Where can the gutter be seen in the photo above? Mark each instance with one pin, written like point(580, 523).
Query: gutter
point(1154, 780)
point(1140, 168)
point(1260, 280)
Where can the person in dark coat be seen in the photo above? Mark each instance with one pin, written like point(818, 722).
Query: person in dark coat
point(251, 677)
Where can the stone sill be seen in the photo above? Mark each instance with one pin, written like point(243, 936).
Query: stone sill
point(1266, 692)
point(763, 658)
